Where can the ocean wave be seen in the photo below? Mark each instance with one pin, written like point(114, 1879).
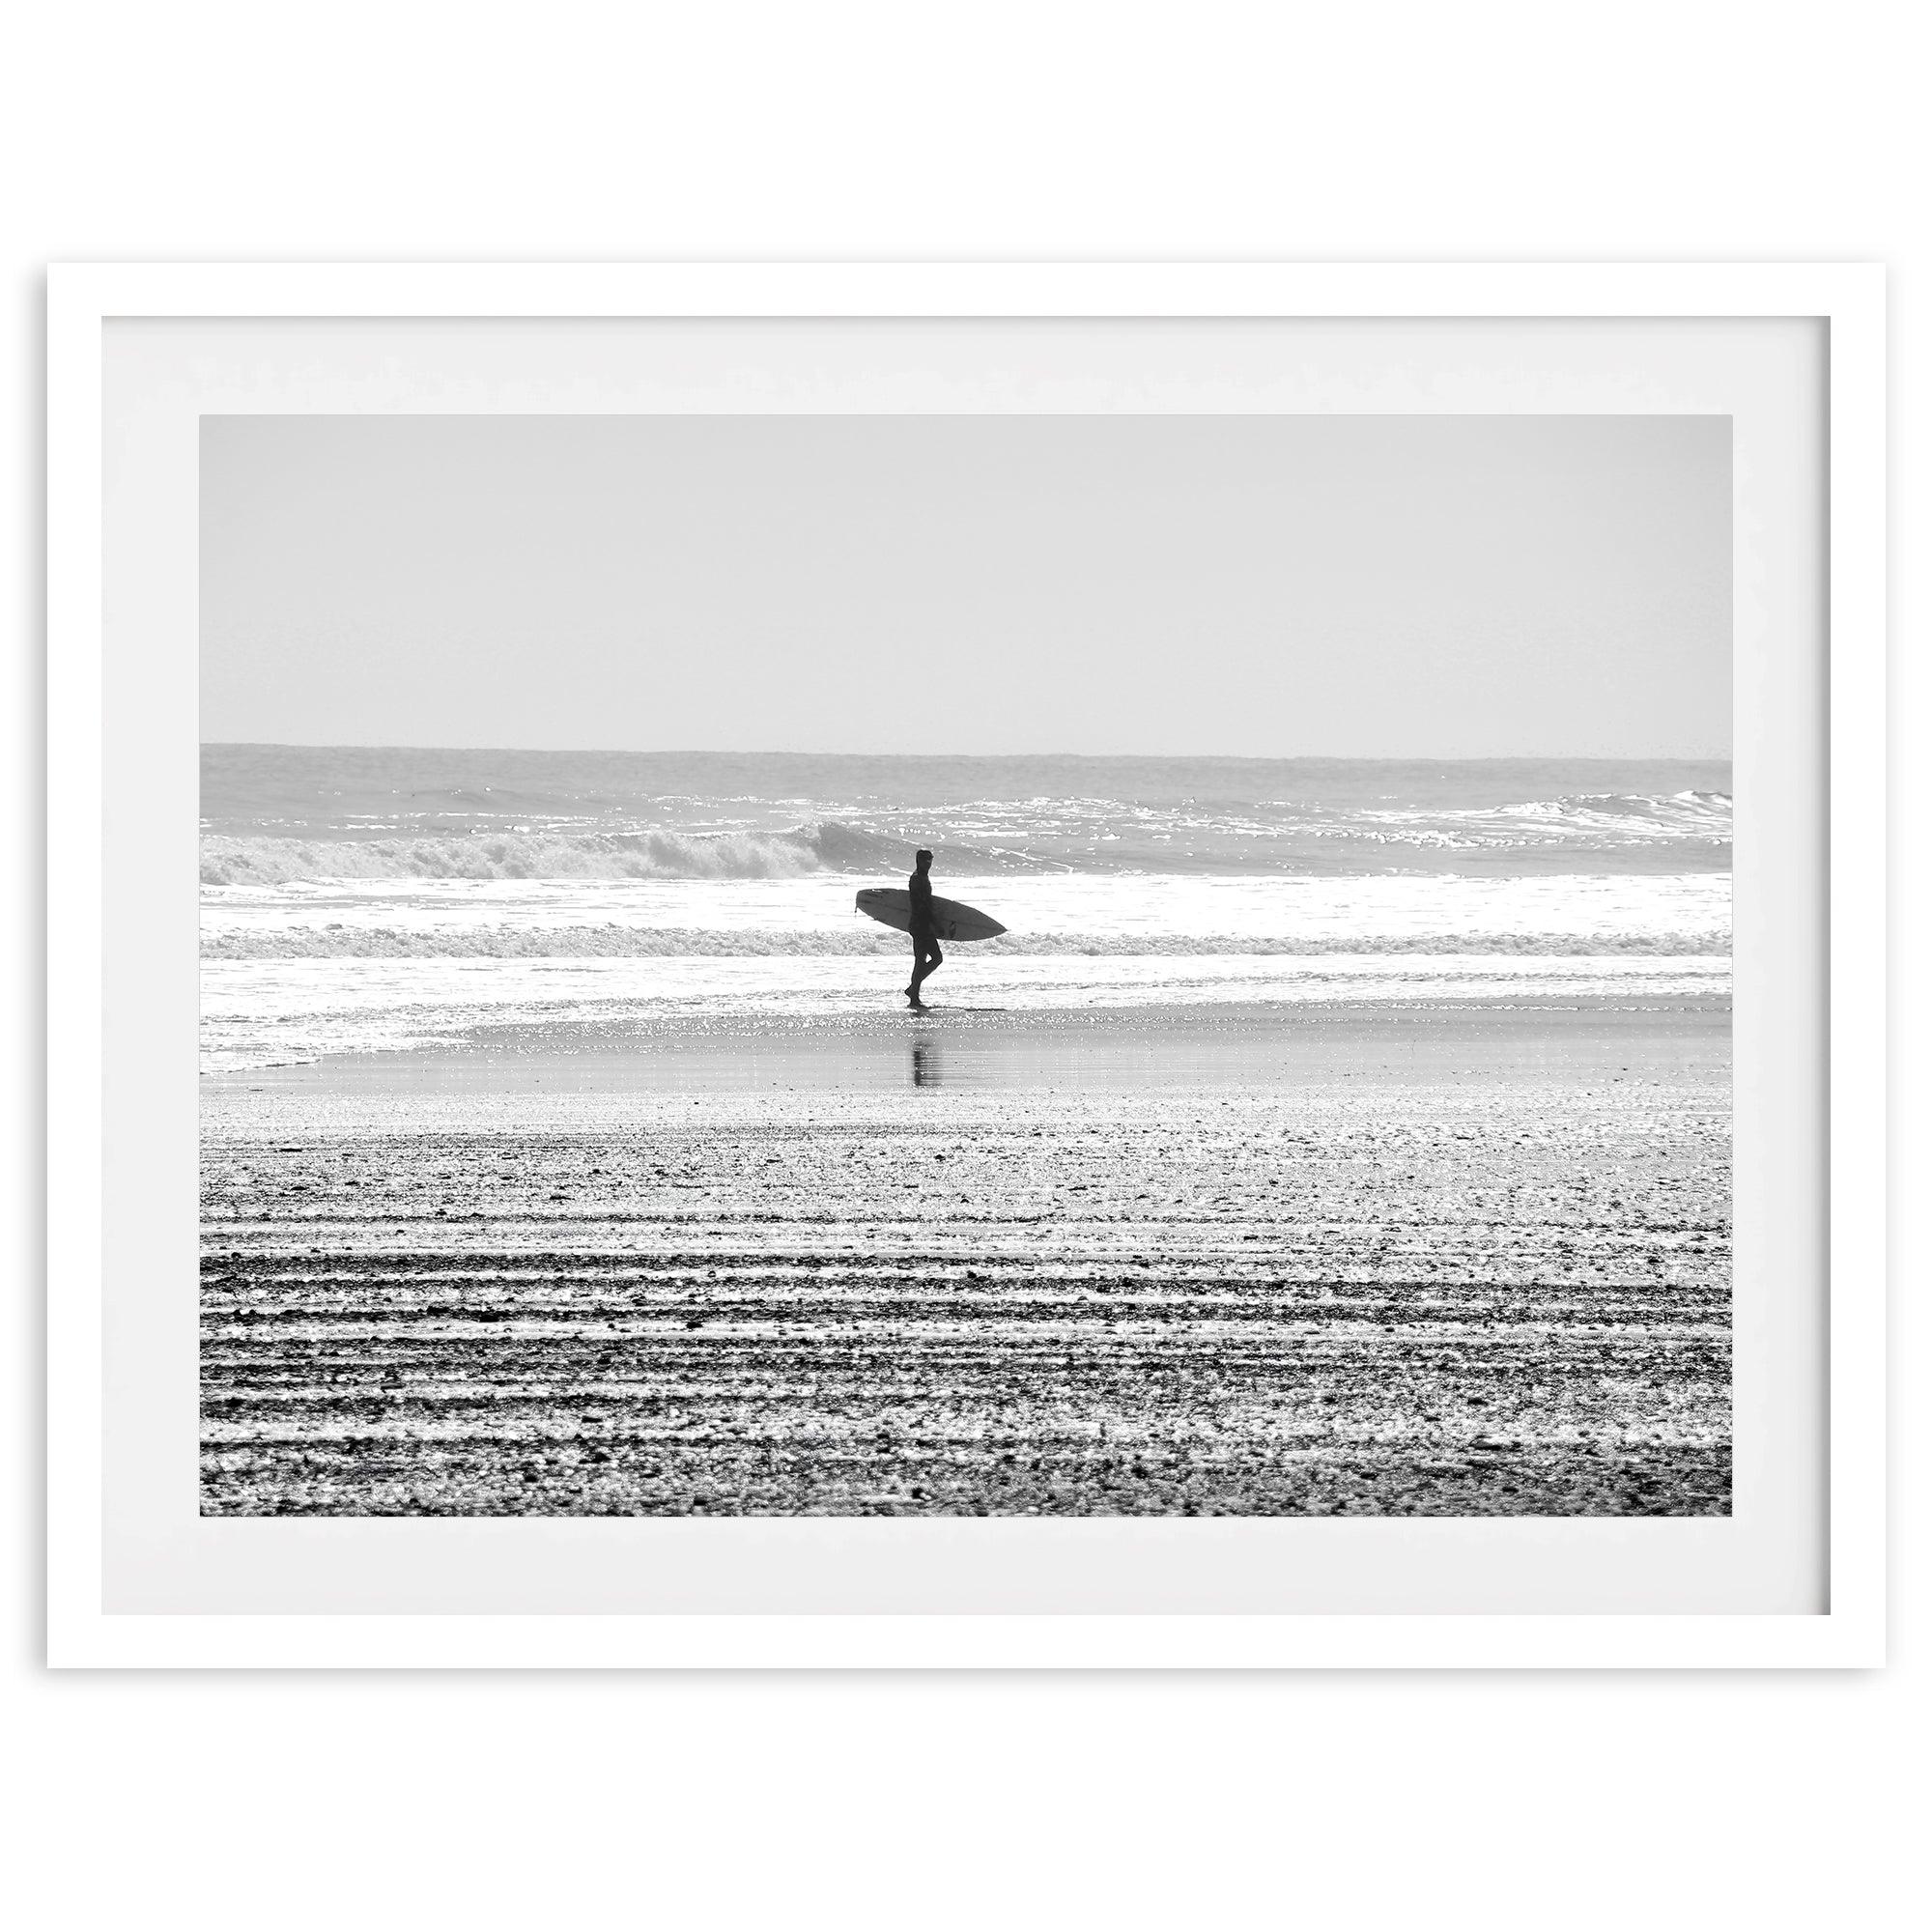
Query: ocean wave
point(832, 846)
point(1588, 821)
point(1682, 814)
point(1030, 837)
point(227, 861)
point(686, 943)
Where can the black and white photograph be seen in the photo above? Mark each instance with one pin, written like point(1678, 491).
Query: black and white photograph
point(965, 965)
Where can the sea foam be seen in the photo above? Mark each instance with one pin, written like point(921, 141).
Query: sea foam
point(612, 942)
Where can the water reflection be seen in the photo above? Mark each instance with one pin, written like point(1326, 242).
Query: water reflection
point(925, 1061)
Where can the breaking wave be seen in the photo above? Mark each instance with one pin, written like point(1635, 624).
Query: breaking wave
point(1613, 831)
point(542, 855)
point(1618, 830)
point(667, 943)
point(1604, 818)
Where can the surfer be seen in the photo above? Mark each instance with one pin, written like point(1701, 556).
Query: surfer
point(926, 957)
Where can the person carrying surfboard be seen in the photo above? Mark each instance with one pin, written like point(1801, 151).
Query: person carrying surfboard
point(926, 957)
point(916, 911)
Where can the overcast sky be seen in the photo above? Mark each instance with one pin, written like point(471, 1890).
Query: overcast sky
point(1381, 587)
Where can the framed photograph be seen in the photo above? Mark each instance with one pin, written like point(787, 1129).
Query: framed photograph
point(967, 965)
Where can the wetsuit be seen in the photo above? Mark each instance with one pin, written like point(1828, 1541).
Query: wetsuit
point(926, 957)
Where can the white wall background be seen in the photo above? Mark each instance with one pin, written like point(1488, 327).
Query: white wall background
point(1488, 130)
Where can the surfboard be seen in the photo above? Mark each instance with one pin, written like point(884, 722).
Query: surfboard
point(892, 905)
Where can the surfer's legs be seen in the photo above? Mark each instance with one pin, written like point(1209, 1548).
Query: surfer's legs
point(926, 959)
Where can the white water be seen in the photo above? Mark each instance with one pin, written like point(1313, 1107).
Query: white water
point(387, 898)
point(806, 916)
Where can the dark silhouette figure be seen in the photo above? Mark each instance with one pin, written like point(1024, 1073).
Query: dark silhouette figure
point(926, 957)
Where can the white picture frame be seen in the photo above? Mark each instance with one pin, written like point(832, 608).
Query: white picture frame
point(1847, 299)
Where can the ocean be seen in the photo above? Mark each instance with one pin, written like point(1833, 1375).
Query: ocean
point(360, 899)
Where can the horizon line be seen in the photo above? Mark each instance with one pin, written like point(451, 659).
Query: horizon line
point(790, 751)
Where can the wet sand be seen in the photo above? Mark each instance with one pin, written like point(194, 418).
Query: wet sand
point(1453, 1259)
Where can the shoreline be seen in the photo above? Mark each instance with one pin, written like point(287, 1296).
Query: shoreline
point(1252, 1044)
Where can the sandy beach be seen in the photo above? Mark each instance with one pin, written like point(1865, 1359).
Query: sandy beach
point(1446, 1259)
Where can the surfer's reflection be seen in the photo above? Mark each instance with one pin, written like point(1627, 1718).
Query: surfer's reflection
point(924, 1064)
